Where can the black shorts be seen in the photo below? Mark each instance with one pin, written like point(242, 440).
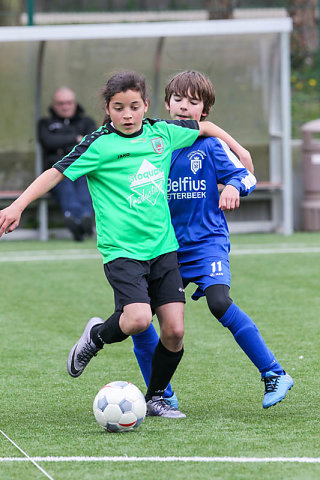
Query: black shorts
point(156, 282)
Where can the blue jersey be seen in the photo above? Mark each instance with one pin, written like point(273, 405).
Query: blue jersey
point(200, 225)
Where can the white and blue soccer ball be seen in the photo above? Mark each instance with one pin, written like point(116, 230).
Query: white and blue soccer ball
point(119, 407)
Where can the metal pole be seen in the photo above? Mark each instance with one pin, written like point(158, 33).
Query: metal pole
point(38, 94)
point(318, 62)
point(43, 207)
point(157, 68)
point(30, 6)
point(286, 129)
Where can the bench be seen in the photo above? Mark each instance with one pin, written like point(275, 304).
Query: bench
point(42, 232)
point(263, 187)
point(262, 213)
point(269, 186)
point(263, 190)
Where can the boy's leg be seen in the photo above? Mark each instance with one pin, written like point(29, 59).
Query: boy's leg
point(250, 340)
point(213, 277)
point(132, 315)
point(167, 356)
point(169, 350)
point(118, 327)
point(242, 327)
point(145, 344)
point(167, 300)
point(85, 348)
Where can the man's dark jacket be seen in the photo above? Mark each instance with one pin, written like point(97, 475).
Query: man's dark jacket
point(58, 136)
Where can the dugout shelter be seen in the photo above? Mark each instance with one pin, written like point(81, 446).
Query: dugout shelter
point(247, 60)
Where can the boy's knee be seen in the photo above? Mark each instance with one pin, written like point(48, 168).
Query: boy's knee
point(218, 308)
point(139, 323)
point(136, 320)
point(173, 335)
point(178, 332)
point(218, 300)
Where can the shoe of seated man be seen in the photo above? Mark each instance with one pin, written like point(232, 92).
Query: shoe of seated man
point(87, 225)
point(276, 388)
point(82, 352)
point(172, 401)
point(157, 407)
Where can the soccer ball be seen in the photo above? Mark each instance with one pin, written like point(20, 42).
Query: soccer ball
point(119, 407)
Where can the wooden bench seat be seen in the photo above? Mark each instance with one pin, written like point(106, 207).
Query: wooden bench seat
point(264, 189)
point(42, 231)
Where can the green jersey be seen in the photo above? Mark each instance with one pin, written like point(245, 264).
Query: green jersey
point(127, 178)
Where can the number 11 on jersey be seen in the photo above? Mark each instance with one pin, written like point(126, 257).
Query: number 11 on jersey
point(216, 268)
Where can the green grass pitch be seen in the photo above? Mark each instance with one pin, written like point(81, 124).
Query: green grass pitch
point(45, 301)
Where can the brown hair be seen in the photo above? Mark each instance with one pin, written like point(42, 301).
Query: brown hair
point(121, 82)
point(192, 84)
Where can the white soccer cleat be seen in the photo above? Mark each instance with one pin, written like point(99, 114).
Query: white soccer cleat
point(82, 352)
point(157, 407)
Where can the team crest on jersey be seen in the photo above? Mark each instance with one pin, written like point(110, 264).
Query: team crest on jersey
point(147, 184)
point(196, 159)
point(157, 144)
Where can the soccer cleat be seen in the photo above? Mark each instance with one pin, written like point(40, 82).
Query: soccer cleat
point(276, 388)
point(172, 401)
point(157, 407)
point(82, 352)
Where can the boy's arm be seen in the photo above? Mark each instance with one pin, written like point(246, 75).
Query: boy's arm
point(230, 172)
point(209, 129)
point(10, 216)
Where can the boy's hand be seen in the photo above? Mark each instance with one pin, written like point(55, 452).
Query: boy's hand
point(9, 219)
point(229, 198)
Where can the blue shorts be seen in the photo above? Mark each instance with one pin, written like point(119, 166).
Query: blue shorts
point(206, 272)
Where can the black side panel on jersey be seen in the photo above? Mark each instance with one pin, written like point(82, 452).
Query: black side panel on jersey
point(80, 149)
point(193, 124)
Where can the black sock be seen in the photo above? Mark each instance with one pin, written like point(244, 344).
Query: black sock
point(108, 332)
point(164, 364)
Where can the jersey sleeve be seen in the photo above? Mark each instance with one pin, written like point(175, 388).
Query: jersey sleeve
point(82, 160)
point(230, 170)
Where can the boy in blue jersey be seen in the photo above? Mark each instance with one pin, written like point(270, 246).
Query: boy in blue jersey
point(202, 232)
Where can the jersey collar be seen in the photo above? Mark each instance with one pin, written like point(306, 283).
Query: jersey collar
point(111, 129)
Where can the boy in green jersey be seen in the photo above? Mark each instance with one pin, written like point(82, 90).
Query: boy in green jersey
point(127, 163)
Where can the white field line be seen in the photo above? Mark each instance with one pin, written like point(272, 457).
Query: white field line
point(168, 459)
point(49, 255)
point(63, 255)
point(273, 250)
point(27, 458)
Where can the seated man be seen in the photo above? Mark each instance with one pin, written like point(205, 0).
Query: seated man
point(58, 134)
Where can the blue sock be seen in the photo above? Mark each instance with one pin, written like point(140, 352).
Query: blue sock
point(249, 338)
point(144, 347)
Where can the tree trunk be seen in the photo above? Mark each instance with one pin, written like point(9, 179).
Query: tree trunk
point(10, 12)
point(220, 9)
point(304, 39)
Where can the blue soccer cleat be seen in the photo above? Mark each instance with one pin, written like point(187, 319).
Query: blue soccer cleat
point(172, 401)
point(276, 388)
